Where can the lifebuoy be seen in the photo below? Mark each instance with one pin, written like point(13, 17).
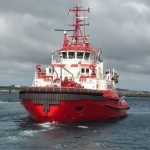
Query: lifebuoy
point(92, 67)
point(72, 84)
point(56, 80)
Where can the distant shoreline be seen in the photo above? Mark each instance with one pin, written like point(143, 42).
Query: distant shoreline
point(132, 93)
point(121, 92)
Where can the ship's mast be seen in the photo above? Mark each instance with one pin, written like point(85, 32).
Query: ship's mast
point(78, 21)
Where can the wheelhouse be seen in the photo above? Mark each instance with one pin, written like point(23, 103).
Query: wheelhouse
point(81, 55)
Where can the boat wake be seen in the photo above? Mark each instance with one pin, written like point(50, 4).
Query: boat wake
point(48, 125)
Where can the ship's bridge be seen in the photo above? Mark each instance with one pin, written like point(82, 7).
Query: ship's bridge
point(73, 56)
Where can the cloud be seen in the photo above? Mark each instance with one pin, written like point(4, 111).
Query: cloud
point(123, 31)
point(27, 37)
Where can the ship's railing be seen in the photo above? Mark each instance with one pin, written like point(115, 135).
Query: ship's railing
point(59, 60)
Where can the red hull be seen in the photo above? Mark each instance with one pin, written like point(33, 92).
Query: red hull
point(73, 111)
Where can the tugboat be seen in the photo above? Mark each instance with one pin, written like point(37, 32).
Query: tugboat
point(74, 87)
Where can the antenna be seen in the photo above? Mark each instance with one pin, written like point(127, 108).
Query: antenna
point(82, 17)
point(67, 30)
point(99, 44)
point(78, 25)
point(78, 22)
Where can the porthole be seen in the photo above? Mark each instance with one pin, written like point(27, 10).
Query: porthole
point(79, 108)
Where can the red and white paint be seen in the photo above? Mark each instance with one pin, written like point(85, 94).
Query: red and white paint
point(79, 66)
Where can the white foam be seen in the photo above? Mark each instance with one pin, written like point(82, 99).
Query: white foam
point(28, 132)
point(83, 127)
point(48, 125)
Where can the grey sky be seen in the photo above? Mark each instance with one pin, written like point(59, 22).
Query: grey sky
point(27, 36)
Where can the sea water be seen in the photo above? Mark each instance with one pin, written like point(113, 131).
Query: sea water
point(18, 132)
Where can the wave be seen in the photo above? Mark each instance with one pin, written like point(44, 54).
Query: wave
point(139, 112)
point(31, 132)
point(83, 127)
point(28, 132)
point(19, 136)
point(9, 139)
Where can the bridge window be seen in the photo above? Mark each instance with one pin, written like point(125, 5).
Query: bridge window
point(87, 55)
point(80, 55)
point(87, 70)
point(64, 54)
point(82, 70)
point(51, 70)
point(71, 55)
